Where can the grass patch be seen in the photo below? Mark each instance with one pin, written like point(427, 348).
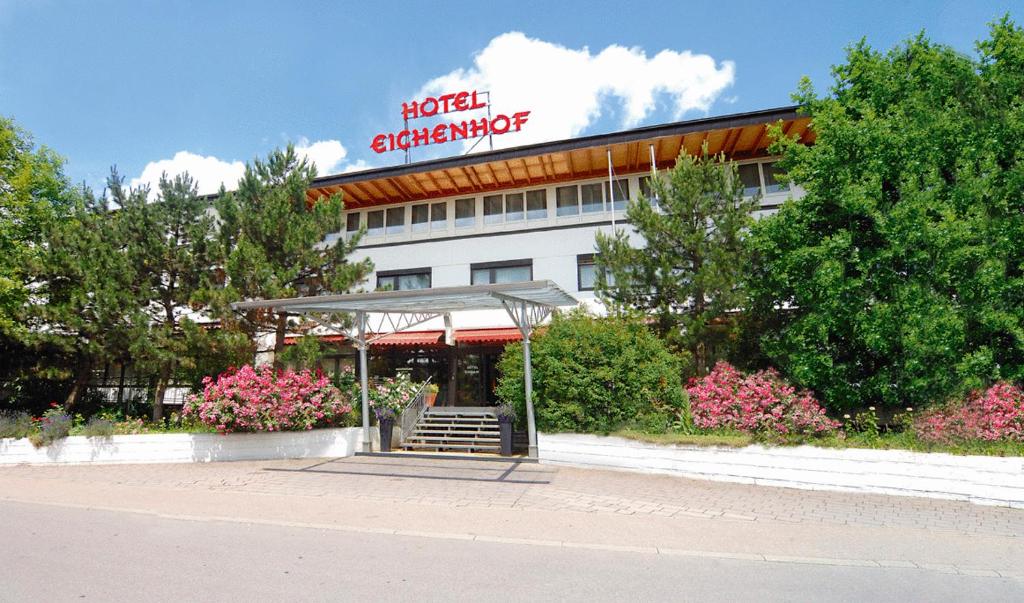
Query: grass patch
point(882, 441)
point(728, 439)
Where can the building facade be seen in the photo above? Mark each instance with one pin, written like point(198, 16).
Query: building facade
point(519, 214)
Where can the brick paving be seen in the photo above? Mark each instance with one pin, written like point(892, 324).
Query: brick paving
point(461, 483)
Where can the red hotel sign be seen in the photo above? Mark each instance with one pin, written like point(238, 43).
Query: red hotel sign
point(447, 132)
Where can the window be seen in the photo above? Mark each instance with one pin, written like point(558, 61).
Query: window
point(592, 198)
point(439, 216)
point(648, 191)
point(537, 205)
point(490, 273)
point(514, 207)
point(420, 218)
point(352, 223)
point(403, 280)
point(465, 213)
point(567, 201)
point(771, 183)
point(396, 220)
point(621, 197)
point(586, 272)
point(375, 222)
point(750, 178)
point(493, 209)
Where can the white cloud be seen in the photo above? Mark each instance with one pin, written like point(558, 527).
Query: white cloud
point(210, 172)
point(564, 88)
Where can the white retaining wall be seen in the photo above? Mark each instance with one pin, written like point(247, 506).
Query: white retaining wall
point(978, 479)
point(186, 447)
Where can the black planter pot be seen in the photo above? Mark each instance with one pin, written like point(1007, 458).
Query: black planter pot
point(385, 426)
point(505, 431)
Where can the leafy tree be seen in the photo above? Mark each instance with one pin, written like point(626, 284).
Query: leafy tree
point(900, 273)
point(272, 238)
point(85, 301)
point(596, 375)
point(170, 241)
point(686, 271)
point(33, 189)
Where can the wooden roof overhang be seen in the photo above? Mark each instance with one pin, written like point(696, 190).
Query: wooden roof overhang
point(739, 136)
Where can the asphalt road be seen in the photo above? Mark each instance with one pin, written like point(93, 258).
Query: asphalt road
point(55, 553)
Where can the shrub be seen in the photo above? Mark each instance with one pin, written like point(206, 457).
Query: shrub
point(55, 424)
point(15, 424)
point(759, 403)
point(996, 414)
point(265, 399)
point(595, 375)
point(98, 427)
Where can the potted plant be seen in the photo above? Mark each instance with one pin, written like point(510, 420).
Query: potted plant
point(389, 398)
point(506, 418)
point(431, 394)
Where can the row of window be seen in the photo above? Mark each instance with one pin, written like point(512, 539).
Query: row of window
point(487, 273)
point(528, 206)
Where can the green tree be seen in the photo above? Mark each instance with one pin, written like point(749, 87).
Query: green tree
point(686, 270)
point(170, 241)
point(33, 190)
point(898, 278)
point(272, 239)
point(85, 299)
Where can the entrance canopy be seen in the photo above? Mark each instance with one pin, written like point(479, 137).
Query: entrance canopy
point(439, 300)
point(528, 304)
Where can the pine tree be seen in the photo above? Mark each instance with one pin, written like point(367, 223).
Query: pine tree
point(170, 241)
point(686, 271)
point(272, 238)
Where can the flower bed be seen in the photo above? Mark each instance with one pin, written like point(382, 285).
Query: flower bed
point(994, 415)
point(760, 402)
point(266, 399)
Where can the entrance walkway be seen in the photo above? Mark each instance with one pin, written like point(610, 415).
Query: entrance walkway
point(462, 483)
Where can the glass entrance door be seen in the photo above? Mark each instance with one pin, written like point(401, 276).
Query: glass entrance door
point(476, 376)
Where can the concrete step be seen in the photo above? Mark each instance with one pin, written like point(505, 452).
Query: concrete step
point(438, 446)
point(455, 432)
point(444, 439)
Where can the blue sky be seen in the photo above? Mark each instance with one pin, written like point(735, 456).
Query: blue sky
point(207, 85)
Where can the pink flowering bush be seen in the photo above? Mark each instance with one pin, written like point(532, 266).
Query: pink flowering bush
point(996, 414)
point(267, 399)
point(760, 403)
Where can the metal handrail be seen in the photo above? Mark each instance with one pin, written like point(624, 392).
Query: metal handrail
point(413, 411)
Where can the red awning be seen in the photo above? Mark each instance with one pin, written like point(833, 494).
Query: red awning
point(432, 338)
point(493, 335)
point(411, 339)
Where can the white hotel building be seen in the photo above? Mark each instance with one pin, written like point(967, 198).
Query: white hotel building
point(518, 214)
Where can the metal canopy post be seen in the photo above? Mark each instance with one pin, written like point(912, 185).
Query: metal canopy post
point(364, 380)
point(525, 316)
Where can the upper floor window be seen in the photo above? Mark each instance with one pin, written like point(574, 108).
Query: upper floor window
point(512, 271)
point(396, 220)
point(494, 209)
point(619, 194)
point(591, 198)
point(648, 191)
point(567, 201)
point(537, 205)
point(771, 183)
point(352, 223)
point(375, 222)
point(514, 207)
point(403, 280)
point(465, 213)
point(420, 221)
point(439, 216)
point(750, 178)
